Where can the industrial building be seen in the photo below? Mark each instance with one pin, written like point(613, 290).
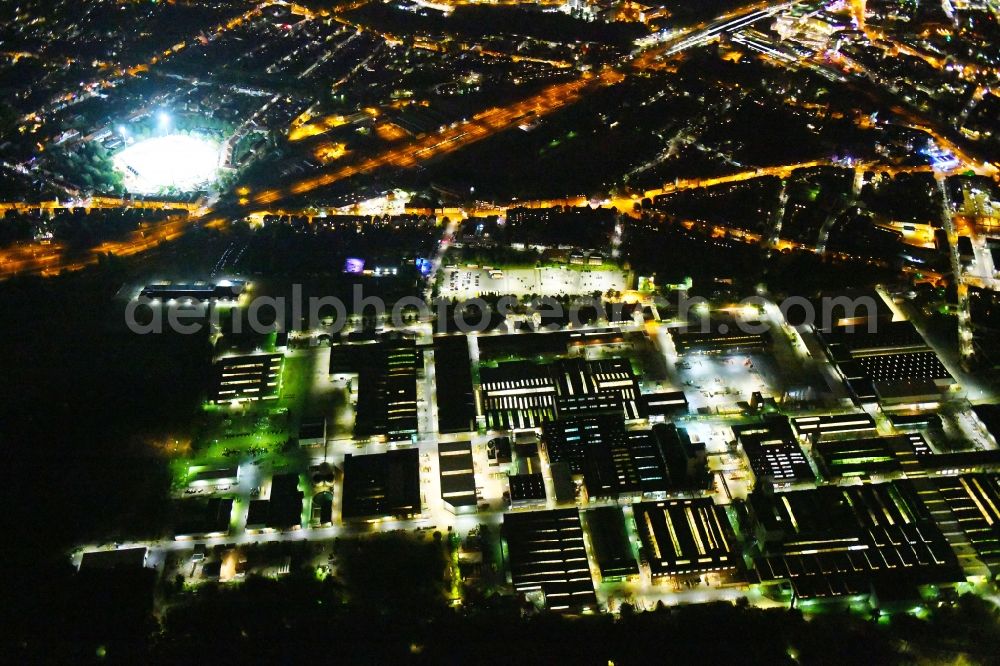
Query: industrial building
point(685, 536)
point(248, 377)
point(386, 390)
point(526, 490)
point(665, 405)
point(773, 452)
point(612, 461)
point(458, 481)
point(890, 364)
point(282, 509)
point(456, 406)
point(382, 485)
point(833, 541)
point(972, 503)
point(833, 425)
point(546, 553)
point(521, 394)
point(719, 339)
point(203, 516)
point(610, 543)
point(117, 559)
point(196, 292)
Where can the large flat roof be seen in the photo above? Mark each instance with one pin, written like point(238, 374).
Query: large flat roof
point(835, 541)
point(612, 460)
point(382, 484)
point(718, 341)
point(458, 481)
point(203, 516)
point(833, 424)
point(286, 501)
point(522, 344)
point(857, 457)
point(196, 292)
point(974, 501)
point(685, 536)
point(880, 337)
point(453, 384)
point(283, 507)
point(526, 487)
point(123, 558)
point(387, 385)
point(212, 475)
point(665, 403)
point(610, 543)
point(522, 394)
point(890, 362)
point(248, 377)
point(773, 452)
point(547, 553)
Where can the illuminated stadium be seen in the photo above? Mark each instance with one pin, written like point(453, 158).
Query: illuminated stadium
point(177, 161)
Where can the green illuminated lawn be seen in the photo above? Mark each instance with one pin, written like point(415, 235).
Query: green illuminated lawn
point(261, 430)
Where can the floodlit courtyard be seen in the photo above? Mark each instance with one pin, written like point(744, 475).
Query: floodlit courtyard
point(719, 382)
point(176, 161)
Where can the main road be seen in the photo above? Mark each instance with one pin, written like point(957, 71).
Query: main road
point(53, 258)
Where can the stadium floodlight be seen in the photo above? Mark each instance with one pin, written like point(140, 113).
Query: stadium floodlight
point(163, 119)
point(184, 163)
